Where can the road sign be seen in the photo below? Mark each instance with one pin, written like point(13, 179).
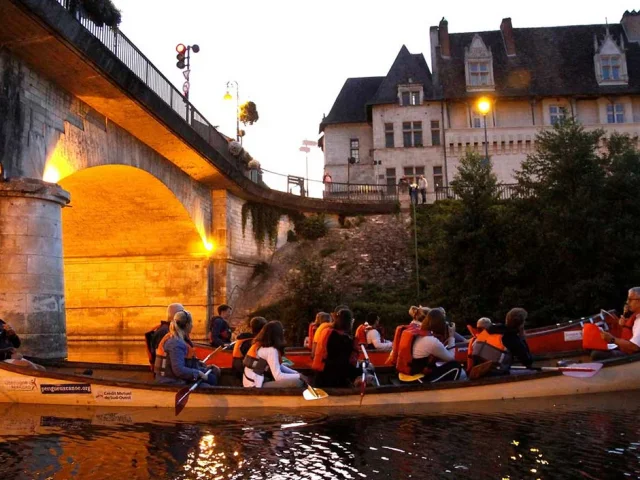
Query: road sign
point(186, 74)
point(185, 87)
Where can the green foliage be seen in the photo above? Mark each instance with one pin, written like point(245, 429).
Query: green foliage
point(100, 12)
point(248, 113)
point(260, 269)
point(567, 247)
point(311, 227)
point(264, 221)
point(291, 236)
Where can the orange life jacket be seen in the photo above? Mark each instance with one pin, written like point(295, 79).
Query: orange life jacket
point(162, 365)
point(316, 337)
point(393, 356)
point(592, 339)
point(361, 334)
point(489, 347)
point(237, 355)
point(320, 358)
point(405, 349)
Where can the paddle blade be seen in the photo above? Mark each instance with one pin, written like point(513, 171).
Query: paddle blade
point(182, 397)
point(314, 394)
point(582, 370)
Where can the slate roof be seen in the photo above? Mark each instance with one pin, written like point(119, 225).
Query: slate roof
point(406, 66)
point(350, 105)
point(549, 61)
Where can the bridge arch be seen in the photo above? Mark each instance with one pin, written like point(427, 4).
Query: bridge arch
point(130, 247)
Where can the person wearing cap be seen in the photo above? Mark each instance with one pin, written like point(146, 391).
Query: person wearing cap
point(9, 341)
point(176, 361)
point(155, 336)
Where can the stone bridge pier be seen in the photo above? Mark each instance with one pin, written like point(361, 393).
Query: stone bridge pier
point(31, 264)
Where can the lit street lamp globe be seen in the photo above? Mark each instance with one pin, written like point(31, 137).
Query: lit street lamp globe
point(484, 105)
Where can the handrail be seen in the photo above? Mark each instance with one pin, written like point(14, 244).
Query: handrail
point(505, 191)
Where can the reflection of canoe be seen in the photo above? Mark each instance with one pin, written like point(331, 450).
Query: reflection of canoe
point(131, 386)
point(560, 338)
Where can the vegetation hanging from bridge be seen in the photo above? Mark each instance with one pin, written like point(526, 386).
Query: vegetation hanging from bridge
point(100, 12)
point(11, 122)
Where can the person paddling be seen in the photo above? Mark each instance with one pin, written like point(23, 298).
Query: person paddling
point(336, 355)
point(176, 361)
point(263, 362)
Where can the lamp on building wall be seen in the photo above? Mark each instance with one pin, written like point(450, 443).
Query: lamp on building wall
point(484, 107)
point(228, 96)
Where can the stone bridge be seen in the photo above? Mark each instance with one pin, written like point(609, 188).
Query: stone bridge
point(119, 197)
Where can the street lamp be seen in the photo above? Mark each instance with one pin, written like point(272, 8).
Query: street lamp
point(305, 148)
point(228, 96)
point(484, 106)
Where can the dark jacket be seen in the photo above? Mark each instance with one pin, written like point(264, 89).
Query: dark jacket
point(153, 338)
point(7, 342)
point(219, 333)
point(514, 343)
point(338, 370)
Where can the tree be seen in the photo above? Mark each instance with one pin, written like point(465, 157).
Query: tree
point(100, 12)
point(248, 113)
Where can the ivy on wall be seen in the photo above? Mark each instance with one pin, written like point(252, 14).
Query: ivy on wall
point(11, 124)
point(265, 219)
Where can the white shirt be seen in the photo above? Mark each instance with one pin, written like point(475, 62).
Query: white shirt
point(422, 183)
point(425, 346)
point(635, 333)
point(279, 372)
point(373, 338)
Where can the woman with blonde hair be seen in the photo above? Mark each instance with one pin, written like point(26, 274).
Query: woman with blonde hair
point(176, 361)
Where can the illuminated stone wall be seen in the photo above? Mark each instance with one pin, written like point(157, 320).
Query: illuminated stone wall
point(124, 297)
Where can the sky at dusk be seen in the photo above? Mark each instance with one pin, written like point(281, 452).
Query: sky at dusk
point(292, 57)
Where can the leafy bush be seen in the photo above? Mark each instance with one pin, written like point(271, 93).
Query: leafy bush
point(291, 236)
point(312, 227)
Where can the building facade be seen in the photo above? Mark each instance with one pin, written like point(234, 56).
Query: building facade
point(414, 121)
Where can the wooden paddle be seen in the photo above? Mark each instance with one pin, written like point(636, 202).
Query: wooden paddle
point(369, 364)
point(182, 397)
point(581, 370)
point(314, 393)
point(216, 351)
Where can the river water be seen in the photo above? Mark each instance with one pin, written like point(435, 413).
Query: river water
point(582, 437)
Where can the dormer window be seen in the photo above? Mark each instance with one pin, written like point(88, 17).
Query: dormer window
point(478, 66)
point(410, 95)
point(610, 67)
point(479, 73)
point(610, 61)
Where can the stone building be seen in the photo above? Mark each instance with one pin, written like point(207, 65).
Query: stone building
point(419, 121)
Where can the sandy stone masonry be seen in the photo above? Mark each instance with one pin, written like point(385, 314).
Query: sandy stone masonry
point(31, 272)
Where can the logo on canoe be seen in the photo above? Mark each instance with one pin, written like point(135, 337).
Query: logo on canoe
point(122, 395)
point(66, 388)
point(19, 384)
point(573, 336)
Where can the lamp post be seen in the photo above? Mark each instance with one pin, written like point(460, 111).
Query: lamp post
point(228, 96)
point(305, 148)
point(484, 106)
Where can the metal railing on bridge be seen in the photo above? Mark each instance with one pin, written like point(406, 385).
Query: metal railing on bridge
point(362, 192)
point(505, 191)
point(118, 43)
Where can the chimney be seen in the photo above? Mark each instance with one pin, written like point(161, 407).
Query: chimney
point(631, 25)
point(443, 34)
point(507, 35)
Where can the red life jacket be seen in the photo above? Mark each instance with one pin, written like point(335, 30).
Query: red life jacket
point(320, 358)
point(627, 327)
point(405, 348)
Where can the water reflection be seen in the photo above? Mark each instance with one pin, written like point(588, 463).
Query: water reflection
point(585, 437)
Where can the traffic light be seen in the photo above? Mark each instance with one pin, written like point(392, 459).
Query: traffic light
point(181, 56)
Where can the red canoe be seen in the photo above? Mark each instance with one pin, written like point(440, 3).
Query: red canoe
point(560, 338)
